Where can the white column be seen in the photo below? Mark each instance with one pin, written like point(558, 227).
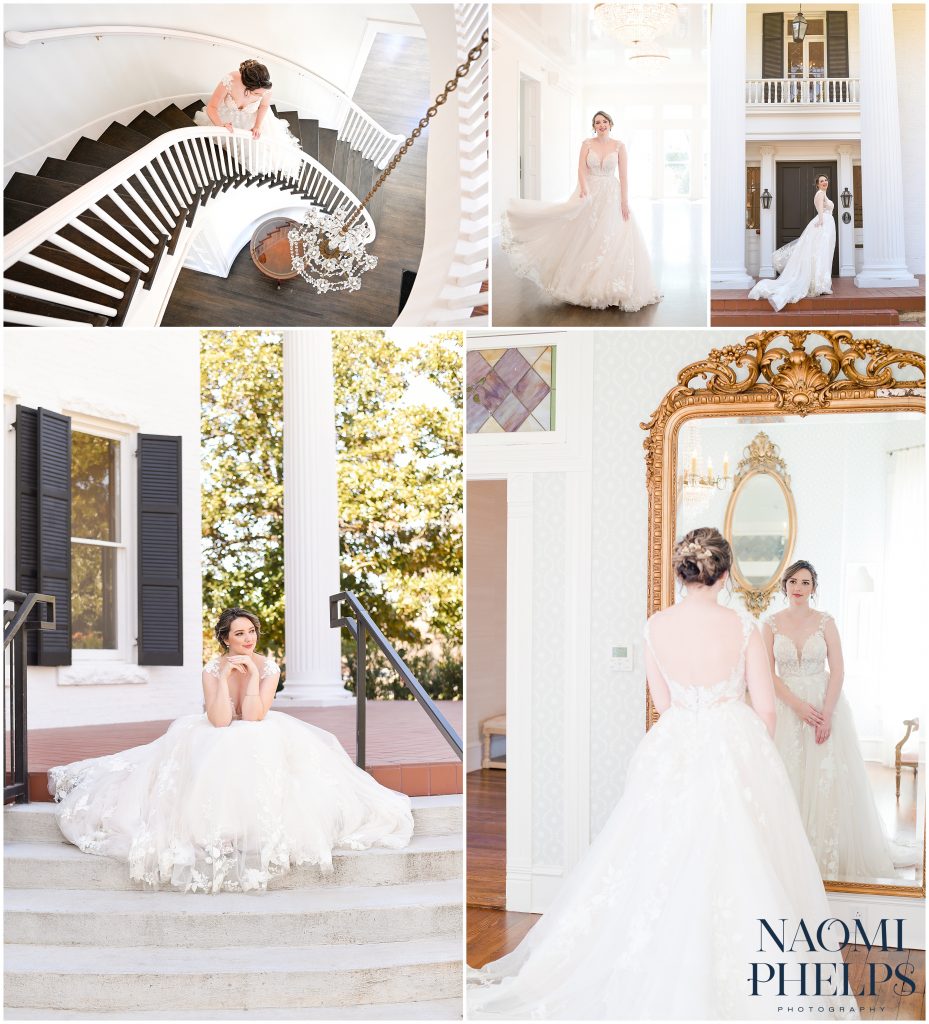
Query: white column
point(884, 263)
point(727, 147)
point(846, 239)
point(311, 521)
point(768, 218)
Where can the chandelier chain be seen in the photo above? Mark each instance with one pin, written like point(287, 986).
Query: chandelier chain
point(451, 85)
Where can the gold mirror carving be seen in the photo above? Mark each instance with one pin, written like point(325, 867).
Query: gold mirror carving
point(771, 374)
point(756, 573)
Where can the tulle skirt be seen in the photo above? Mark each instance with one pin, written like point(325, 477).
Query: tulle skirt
point(581, 251)
point(661, 918)
point(832, 788)
point(208, 809)
point(276, 148)
point(804, 267)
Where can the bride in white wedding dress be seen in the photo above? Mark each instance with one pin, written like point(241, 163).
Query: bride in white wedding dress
point(817, 739)
point(242, 99)
point(804, 266)
point(588, 250)
point(661, 917)
point(231, 798)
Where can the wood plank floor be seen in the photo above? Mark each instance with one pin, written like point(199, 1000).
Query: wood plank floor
point(493, 932)
point(674, 234)
point(394, 89)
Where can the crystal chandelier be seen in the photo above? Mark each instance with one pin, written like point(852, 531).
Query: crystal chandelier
point(648, 58)
point(632, 24)
point(329, 250)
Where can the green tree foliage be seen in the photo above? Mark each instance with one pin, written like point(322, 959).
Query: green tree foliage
point(400, 481)
point(399, 440)
point(242, 437)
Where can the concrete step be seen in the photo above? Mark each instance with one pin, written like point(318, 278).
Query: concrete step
point(317, 916)
point(35, 822)
point(426, 1009)
point(220, 978)
point(60, 866)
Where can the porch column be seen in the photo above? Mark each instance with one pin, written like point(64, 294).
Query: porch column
point(311, 521)
point(881, 159)
point(727, 144)
point(768, 218)
point(846, 239)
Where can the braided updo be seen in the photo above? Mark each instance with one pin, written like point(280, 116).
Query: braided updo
point(702, 556)
point(254, 75)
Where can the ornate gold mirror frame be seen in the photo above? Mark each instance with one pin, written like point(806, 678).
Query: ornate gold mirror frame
point(761, 457)
point(781, 373)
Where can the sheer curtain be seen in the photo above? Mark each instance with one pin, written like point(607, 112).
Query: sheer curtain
point(902, 641)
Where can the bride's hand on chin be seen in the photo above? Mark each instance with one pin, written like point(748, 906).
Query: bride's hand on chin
point(240, 663)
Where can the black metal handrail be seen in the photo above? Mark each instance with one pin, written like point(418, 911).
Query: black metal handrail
point(360, 627)
point(29, 611)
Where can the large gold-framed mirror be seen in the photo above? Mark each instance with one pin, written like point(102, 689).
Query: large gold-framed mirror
point(834, 428)
point(760, 523)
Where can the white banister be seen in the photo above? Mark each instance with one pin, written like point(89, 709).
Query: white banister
point(803, 92)
point(346, 104)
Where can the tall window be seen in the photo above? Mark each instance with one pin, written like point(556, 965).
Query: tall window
point(677, 162)
point(95, 541)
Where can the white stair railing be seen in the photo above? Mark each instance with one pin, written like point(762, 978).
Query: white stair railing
point(803, 92)
point(188, 160)
point(450, 293)
point(355, 127)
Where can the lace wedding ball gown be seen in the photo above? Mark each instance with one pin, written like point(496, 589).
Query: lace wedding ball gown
point(829, 779)
point(804, 266)
point(660, 918)
point(206, 809)
point(276, 135)
point(582, 251)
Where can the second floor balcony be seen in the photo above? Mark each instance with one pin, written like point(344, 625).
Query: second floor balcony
point(813, 93)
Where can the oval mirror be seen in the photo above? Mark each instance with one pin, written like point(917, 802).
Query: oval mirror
point(761, 523)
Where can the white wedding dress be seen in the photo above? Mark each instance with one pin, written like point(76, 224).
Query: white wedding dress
point(582, 251)
point(660, 918)
point(280, 144)
point(206, 809)
point(830, 781)
point(804, 266)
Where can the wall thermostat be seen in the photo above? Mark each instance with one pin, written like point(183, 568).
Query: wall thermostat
point(622, 658)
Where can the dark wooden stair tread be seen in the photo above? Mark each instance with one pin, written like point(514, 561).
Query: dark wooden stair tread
point(100, 154)
point(192, 108)
point(309, 136)
point(68, 170)
point(45, 307)
point(148, 125)
point(174, 117)
point(122, 137)
point(40, 278)
point(327, 141)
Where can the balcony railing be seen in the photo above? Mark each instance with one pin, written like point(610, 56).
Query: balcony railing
point(803, 92)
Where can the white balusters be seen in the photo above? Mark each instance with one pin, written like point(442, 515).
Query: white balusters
point(114, 225)
point(39, 263)
point(88, 257)
point(30, 290)
point(815, 92)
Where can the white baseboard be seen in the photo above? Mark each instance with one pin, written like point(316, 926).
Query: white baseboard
point(532, 890)
point(473, 757)
point(870, 909)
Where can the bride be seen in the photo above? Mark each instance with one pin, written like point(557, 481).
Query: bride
point(231, 798)
point(817, 739)
point(661, 918)
point(242, 99)
point(804, 266)
point(589, 250)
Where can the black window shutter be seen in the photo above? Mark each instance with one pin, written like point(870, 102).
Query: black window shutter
point(772, 45)
point(161, 628)
point(43, 525)
point(837, 44)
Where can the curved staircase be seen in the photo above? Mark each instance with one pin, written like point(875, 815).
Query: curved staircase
point(70, 262)
point(380, 938)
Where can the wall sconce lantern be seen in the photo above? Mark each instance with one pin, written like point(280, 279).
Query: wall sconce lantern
point(846, 198)
point(766, 198)
point(798, 26)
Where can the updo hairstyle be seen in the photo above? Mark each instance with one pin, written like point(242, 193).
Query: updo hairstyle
point(225, 621)
point(254, 75)
point(702, 556)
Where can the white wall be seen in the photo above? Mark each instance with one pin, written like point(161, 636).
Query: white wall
point(132, 381)
point(53, 89)
point(562, 127)
point(910, 34)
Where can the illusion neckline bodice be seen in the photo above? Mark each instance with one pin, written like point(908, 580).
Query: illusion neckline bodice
point(229, 99)
point(602, 168)
point(828, 203)
point(805, 659)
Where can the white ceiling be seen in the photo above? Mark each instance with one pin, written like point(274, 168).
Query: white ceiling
point(570, 35)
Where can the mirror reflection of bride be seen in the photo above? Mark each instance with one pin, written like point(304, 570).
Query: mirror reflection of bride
point(804, 266)
point(817, 738)
point(589, 250)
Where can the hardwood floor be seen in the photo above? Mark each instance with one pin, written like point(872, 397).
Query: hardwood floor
point(674, 233)
point(394, 89)
point(492, 931)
